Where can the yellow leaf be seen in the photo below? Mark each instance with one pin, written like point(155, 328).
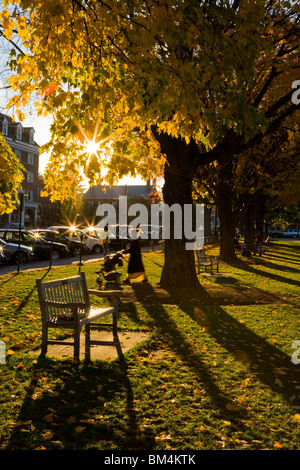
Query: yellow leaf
point(10, 352)
point(227, 423)
point(277, 445)
point(297, 417)
point(47, 435)
point(80, 429)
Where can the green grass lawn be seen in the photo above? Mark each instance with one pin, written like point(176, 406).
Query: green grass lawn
point(215, 372)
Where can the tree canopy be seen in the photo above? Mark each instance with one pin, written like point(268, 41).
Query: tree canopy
point(118, 70)
point(11, 176)
point(177, 83)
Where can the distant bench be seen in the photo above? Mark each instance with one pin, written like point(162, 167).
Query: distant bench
point(65, 303)
point(207, 261)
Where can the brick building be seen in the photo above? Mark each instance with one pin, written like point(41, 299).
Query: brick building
point(21, 140)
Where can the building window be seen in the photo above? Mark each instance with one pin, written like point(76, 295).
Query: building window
point(31, 159)
point(19, 132)
point(31, 136)
point(5, 127)
point(30, 195)
point(30, 176)
point(18, 153)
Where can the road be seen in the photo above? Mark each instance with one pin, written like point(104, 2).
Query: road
point(11, 268)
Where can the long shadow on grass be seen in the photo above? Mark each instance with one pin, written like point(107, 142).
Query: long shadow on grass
point(253, 270)
point(276, 266)
point(78, 406)
point(270, 365)
point(283, 259)
point(167, 331)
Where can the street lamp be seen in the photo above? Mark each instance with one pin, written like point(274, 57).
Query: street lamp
point(22, 195)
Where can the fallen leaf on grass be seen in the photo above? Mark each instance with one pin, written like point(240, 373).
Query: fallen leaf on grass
point(79, 429)
point(47, 435)
point(49, 418)
point(231, 407)
point(297, 417)
point(19, 423)
point(71, 420)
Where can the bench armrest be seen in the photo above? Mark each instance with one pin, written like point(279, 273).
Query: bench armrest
point(71, 305)
point(113, 294)
point(105, 293)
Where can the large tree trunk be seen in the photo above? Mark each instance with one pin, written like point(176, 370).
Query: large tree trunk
point(226, 212)
point(179, 267)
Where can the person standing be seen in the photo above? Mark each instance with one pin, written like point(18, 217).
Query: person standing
point(258, 243)
point(135, 268)
point(105, 240)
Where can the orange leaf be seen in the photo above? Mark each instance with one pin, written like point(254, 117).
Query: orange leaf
point(49, 418)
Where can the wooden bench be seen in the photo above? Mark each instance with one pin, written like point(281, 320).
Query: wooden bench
point(65, 303)
point(208, 262)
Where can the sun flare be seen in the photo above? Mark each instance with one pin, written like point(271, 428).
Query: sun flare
point(92, 147)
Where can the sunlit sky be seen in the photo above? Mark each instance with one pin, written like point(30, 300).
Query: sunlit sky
point(42, 135)
point(41, 125)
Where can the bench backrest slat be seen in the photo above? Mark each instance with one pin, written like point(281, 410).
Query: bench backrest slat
point(201, 256)
point(70, 290)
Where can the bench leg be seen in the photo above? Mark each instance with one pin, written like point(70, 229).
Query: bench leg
point(88, 342)
point(44, 339)
point(115, 334)
point(76, 342)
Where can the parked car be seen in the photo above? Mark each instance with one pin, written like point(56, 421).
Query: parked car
point(115, 241)
point(291, 233)
point(2, 256)
point(275, 231)
point(74, 246)
point(92, 244)
point(10, 252)
point(40, 247)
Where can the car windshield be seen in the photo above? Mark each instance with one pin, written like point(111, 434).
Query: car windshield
point(32, 237)
point(56, 236)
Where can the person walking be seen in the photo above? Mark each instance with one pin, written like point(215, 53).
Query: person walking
point(135, 270)
point(105, 240)
point(258, 243)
